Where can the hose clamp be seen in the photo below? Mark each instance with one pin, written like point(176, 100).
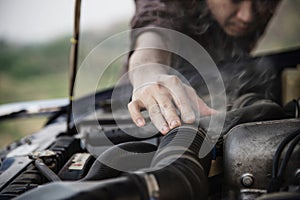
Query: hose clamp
point(152, 185)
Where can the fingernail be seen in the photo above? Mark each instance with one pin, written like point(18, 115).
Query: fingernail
point(174, 123)
point(164, 129)
point(140, 122)
point(190, 119)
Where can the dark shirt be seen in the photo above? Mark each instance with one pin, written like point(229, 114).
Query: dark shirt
point(193, 18)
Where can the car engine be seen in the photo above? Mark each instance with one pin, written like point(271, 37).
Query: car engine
point(257, 155)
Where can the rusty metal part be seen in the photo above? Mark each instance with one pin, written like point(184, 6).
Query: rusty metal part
point(249, 149)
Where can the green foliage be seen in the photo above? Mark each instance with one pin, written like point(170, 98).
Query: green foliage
point(40, 71)
point(33, 71)
point(23, 62)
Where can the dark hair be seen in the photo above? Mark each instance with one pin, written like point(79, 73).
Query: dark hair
point(193, 17)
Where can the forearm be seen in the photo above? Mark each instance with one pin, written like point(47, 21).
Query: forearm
point(147, 63)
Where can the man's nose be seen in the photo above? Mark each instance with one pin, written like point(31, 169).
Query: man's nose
point(245, 12)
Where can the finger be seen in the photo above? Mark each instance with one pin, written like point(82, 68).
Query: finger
point(134, 108)
point(198, 103)
point(168, 110)
point(156, 117)
point(204, 109)
point(177, 91)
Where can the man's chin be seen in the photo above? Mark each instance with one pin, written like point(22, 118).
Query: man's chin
point(237, 32)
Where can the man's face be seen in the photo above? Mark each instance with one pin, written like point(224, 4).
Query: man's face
point(241, 17)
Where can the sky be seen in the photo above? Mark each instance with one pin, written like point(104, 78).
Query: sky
point(27, 21)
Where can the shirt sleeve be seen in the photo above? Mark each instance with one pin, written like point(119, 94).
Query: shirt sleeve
point(170, 14)
point(161, 13)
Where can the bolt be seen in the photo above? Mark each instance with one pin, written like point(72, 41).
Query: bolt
point(247, 179)
point(28, 141)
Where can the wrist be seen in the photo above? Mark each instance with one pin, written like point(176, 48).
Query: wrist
point(140, 76)
point(146, 67)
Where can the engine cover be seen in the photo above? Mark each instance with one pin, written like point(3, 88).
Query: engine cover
point(248, 154)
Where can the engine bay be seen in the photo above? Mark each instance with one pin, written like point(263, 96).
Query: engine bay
point(107, 157)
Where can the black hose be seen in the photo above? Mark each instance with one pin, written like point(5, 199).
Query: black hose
point(44, 169)
point(279, 150)
point(115, 136)
point(135, 155)
point(262, 110)
point(288, 154)
point(180, 141)
point(177, 173)
point(276, 180)
point(180, 173)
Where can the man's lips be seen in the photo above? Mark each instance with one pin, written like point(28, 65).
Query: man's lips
point(240, 28)
point(237, 28)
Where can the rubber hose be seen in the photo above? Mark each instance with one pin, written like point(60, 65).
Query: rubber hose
point(117, 157)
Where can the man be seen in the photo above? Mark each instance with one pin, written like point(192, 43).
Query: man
point(227, 29)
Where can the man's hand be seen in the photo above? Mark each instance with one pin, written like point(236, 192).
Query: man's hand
point(168, 100)
point(169, 103)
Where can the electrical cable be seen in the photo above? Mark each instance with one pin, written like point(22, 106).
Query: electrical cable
point(297, 112)
point(279, 150)
point(276, 180)
point(288, 155)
